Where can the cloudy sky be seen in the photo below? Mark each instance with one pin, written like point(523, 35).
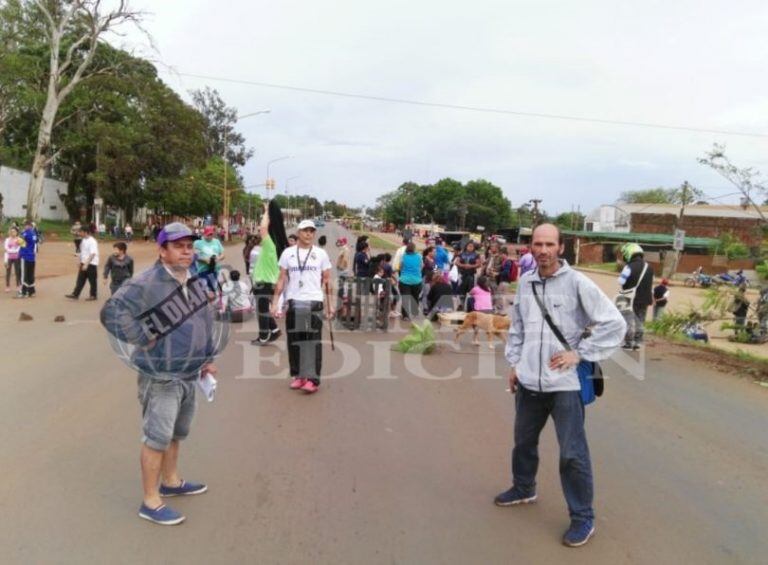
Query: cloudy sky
point(698, 64)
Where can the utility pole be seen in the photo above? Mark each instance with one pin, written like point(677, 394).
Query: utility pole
point(535, 211)
point(672, 266)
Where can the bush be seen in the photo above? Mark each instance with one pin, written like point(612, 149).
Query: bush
point(730, 246)
point(762, 270)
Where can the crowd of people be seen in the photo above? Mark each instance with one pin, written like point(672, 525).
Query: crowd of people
point(167, 314)
point(465, 276)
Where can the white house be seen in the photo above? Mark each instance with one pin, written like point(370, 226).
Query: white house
point(13, 187)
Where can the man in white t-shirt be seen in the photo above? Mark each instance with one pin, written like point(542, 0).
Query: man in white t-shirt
point(305, 274)
point(89, 264)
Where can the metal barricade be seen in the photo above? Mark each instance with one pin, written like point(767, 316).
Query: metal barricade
point(363, 303)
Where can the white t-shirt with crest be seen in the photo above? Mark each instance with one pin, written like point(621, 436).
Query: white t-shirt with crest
point(305, 269)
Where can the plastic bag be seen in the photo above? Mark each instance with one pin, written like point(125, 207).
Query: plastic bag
point(453, 274)
point(421, 339)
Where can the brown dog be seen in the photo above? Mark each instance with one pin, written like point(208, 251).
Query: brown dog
point(491, 324)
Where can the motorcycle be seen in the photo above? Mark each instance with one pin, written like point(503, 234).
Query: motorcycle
point(698, 278)
point(732, 280)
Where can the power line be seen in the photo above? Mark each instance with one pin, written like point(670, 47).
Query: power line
point(474, 108)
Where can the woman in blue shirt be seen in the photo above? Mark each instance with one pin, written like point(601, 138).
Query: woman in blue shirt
point(410, 281)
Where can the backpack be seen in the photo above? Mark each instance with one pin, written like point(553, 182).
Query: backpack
point(509, 271)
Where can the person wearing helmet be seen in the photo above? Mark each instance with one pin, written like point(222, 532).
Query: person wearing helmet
point(636, 279)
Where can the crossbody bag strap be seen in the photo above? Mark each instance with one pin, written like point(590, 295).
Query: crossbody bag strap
point(639, 280)
point(548, 319)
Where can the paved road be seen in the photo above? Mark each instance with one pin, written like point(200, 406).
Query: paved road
point(376, 468)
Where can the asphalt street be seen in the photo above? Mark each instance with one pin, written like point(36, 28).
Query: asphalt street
point(395, 460)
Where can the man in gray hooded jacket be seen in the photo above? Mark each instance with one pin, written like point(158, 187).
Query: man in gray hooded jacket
point(544, 377)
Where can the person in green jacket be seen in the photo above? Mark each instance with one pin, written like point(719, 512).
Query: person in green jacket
point(264, 275)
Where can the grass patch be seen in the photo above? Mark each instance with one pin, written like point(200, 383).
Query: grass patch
point(51, 229)
point(607, 267)
point(379, 243)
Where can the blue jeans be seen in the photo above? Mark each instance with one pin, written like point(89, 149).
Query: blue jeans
point(532, 411)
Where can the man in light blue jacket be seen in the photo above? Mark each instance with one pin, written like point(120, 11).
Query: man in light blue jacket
point(544, 379)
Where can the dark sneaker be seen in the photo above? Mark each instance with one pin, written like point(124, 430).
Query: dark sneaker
point(579, 533)
point(627, 346)
point(91, 298)
point(162, 515)
point(183, 489)
point(71, 296)
point(259, 341)
point(274, 335)
point(513, 497)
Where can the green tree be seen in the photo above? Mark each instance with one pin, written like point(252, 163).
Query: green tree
point(447, 202)
point(220, 134)
point(570, 220)
point(685, 194)
point(70, 32)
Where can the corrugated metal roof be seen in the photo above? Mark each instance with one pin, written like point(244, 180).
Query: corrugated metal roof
point(657, 238)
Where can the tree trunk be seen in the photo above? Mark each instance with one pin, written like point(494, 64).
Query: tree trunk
point(40, 162)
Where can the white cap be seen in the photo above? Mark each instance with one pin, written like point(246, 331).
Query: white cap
point(306, 224)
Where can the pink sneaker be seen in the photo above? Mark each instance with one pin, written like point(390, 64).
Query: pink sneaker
point(309, 387)
point(297, 383)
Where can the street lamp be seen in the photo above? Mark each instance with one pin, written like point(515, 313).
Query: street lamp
point(225, 207)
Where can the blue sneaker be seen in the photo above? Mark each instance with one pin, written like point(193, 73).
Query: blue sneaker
point(512, 497)
point(579, 533)
point(183, 489)
point(162, 515)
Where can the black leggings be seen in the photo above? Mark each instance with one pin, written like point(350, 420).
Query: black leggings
point(304, 325)
point(409, 294)
point(263, 293)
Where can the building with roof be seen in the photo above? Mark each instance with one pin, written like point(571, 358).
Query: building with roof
point(13, 188)
point(699, 220)
point(589, 248)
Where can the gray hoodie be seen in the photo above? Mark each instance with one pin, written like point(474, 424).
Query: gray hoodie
point(575, 304)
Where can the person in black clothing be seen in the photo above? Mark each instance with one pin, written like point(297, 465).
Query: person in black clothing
point(660, 298)
point(119, 265)
point(362, 265)
point(440, 296)
point(637, 275)
point(468, 263)
point(740, 307)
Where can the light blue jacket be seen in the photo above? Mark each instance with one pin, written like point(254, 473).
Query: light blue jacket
point(575, 304)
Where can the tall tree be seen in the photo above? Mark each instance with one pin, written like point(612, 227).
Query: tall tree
point(220, 119)
point(660, 195)
point(747, 180)
point(73, 30)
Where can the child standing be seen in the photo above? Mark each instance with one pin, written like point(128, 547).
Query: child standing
point(236, 298)
point(11, 258)
point(119, 266)
point(660, 298)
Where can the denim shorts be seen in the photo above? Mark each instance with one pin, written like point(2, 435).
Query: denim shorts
point(167, 408)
